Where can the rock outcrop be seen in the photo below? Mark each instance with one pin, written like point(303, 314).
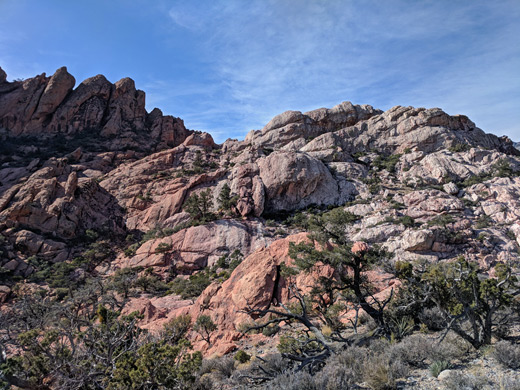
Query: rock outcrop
point(112, 115)
point(420, 183)
point(197, 247)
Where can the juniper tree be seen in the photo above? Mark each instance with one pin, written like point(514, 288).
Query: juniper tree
point(226, 201)
point(199, 206)
point(344, 288)
point(470, 303)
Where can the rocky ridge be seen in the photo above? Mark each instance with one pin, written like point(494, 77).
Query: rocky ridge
point(424, 184)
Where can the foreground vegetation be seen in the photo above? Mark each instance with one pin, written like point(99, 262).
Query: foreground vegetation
point(338, 335)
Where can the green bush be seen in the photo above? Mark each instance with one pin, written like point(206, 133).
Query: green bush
point(191, 287)
point(441, 220)
point(465, 381)
point(460, 147)
point(438, 366)
point(132, 249)
point(242, 357)
point(271, 330)
point(226, 201)
point(163, 247)
point(199, 206)
point(204, 326)
point(381, 373)
point(388, 162)
point(483, 221)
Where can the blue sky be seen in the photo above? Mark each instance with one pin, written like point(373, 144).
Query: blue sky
point(229, 66)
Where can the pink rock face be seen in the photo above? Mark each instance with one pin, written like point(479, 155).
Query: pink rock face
point(127, 169)
point(293, 125)
point(200, 139)
point(47, 201)
point(250, 189)
point(359, 247)
point(47, 106)
point(428, 203)
point(154, 310)
point(295, 180)
point(199, 246)
point(255, 283)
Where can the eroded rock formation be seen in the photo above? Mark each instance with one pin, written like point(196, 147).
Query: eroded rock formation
point(424, 184)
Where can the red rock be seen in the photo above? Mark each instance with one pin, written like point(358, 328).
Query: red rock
point(200, 139)
point(359, 247)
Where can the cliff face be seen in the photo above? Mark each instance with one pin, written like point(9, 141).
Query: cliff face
point(107, 117)
point(92, 158)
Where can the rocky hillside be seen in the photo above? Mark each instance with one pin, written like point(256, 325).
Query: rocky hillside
point(86, 173)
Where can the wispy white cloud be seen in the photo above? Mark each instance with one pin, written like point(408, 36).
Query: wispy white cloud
point(228, 66)
point(270, 56)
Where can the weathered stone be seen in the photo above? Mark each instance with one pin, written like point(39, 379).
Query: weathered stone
point(427, 203)
point(4, 290)
point(418, 240)
point(451, 188)
point(296, 180)
point(58, 87)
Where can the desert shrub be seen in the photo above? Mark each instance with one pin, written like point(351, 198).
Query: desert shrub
point(401, 327)
point(270, 330)
point(242, 356)
point(156, 233)
point(191, 287)
point(226, 201)
point(441, 220)
point(231, 261)
point(432, 318)
point(373, 183)
point(483, 221)
point(61, 293)
point(507, 354)
point(388, 162)
point(452, 348)
point(469, 203)
point(464, 381)
point(224, 367)
point(294, 381)
point(414, 350)
point(175, 329)
point(475, 179)
point(146, 197)
point(132, 249)
point(298, 220)
point(470, 301)
point(150, 283)
point(199, 206)
point(56, 275)
point(438, 366)
point(91, 235)
point(346, 368)
point(204, 326)
point(268, 368)
point(459, 148)
point(381, 373)
point(397, 205)
point(123, 281)
point(406, 220)
point(163, 247)
point(508, 383)
point(502, 168)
